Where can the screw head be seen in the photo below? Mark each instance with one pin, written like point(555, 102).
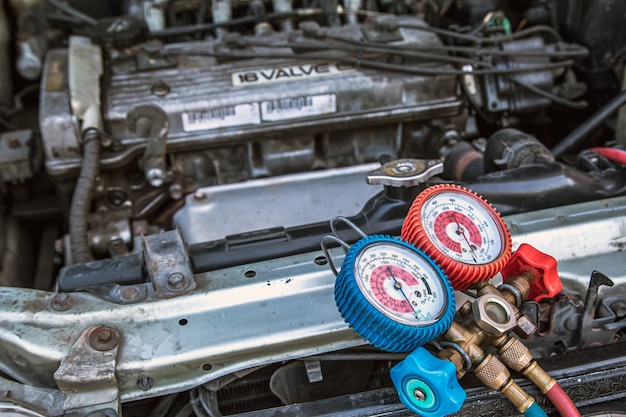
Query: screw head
point(103, 338)
point(419, 394)
point(176, 280)
point(145, 382)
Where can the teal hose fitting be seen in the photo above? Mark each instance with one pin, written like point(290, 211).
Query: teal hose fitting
point(535, 411)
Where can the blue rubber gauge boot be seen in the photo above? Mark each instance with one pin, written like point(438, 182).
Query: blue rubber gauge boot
point(393, 295)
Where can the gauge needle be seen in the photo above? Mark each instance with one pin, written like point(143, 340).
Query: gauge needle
point(398, 286)
point(461, 231)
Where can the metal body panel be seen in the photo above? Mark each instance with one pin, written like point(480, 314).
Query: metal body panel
point(214, 212)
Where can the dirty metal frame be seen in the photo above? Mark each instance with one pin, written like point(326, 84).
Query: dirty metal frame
point(236, 318)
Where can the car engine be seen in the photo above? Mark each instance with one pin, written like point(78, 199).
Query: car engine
point(312, 208)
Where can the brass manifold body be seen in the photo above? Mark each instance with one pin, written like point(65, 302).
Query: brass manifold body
point(487, 321)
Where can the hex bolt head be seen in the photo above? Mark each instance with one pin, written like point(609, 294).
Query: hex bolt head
point(62, 302)
point(156, 177)
point(199, 196)
point(130, 293)
point(493, 314)
point(176, 281)
point(103, 338)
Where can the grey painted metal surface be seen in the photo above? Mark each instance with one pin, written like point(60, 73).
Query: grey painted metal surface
point(215, 212)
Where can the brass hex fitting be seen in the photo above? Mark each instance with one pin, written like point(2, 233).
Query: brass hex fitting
point(521, 283)
point(493, 314)
point(525, 327)
point(539, 377)
point(517, 356)
point(518, 397)
point(454, 357)
point(496, 376)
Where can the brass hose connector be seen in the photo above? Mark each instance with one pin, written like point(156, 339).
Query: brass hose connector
point(517, 357)
point(495, 375)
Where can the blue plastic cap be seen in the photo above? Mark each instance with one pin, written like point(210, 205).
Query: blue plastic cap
point(427, 385)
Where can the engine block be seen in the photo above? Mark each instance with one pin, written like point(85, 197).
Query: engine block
point(261, 110)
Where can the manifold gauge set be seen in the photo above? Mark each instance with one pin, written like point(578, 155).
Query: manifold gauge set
point(398, 293)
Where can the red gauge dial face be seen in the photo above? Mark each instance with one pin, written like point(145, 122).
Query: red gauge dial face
point(463, 228)
point(460, 231)
point(400, 283)
point(457, 232)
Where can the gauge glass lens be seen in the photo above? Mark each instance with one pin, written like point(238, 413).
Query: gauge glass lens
point(463, 228)
point(400, 283)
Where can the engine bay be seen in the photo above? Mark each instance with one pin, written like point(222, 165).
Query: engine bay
point(312, 208)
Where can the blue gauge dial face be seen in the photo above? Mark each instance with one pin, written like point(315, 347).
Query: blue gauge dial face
point(400, 283)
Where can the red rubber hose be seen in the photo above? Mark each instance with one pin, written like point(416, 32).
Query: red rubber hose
point(612, 154)
point(562, 402)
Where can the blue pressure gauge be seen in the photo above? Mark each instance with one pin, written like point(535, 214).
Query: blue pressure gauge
point(393, 294)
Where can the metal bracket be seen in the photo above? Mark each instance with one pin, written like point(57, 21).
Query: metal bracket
point(154, 155)
point(168, 265)
point(86, 376)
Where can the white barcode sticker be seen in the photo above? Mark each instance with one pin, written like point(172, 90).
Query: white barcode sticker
point(297, 107)
point(241, 114)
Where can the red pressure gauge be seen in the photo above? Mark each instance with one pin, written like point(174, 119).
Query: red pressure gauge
point(461, 231)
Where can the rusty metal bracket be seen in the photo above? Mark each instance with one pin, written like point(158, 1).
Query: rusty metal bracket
point(86, 376)
point(168, 265)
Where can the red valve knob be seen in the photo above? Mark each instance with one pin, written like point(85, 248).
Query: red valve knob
point(546, 282)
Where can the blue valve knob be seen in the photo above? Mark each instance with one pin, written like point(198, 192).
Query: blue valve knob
point(427, 385)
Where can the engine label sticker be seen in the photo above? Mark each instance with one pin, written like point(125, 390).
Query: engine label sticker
point(297, 107)
point(241, 114)
point(289, 73)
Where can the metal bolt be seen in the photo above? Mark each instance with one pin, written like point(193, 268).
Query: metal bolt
point(419, 394)
point(103, 338)
point(160, 89)
point(130, 293)
point(116, 197)
point(145, 382)
point(62, 302)
point(176, 280)
point(155, 177)
point(176, 191)
point(199, 196)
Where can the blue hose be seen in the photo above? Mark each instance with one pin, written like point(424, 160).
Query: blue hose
point(535, 411)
